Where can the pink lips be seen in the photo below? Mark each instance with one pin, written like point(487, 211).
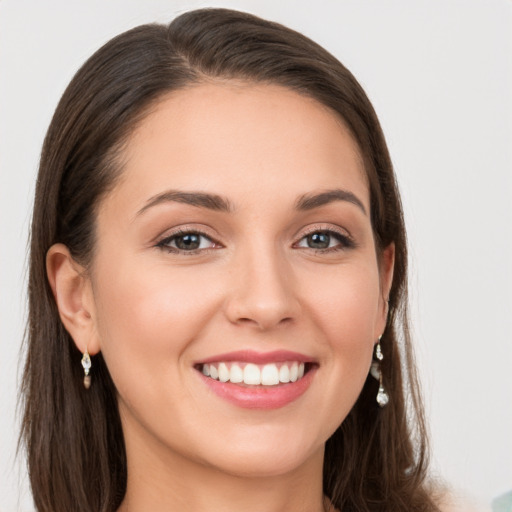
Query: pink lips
point(250, 356)
point(260, 397)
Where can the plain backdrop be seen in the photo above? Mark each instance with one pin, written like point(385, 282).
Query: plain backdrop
point(439, 73)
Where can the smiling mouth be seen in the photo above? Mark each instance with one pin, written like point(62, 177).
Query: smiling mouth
point(250, 374)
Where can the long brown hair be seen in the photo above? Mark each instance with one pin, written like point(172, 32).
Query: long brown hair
point(377, 458)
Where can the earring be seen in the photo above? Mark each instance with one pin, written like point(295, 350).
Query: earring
point(382, 396)
point(86, 363)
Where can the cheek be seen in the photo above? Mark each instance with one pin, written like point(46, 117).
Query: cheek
point(149, 313)
point(345, 306)
point(346, 302)
point(149, 316)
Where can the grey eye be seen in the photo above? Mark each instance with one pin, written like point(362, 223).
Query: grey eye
point(318, 240)
point(323, 240)
point(187, 242)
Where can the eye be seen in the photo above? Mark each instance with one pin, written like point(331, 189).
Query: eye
point(187, 241)
point(324, 240)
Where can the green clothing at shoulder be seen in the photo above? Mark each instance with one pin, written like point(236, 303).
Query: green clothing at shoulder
point(503, 503)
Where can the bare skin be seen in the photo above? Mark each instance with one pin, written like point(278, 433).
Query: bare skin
point(274, 264)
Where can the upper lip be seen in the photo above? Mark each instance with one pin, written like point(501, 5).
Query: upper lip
point(252, 356)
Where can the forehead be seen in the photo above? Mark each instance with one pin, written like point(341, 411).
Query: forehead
point(234, 138)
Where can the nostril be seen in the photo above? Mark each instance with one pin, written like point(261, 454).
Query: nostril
point(264, 324)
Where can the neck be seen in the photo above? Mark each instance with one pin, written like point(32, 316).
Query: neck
point(162, 480)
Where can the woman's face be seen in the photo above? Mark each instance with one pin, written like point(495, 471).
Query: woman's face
point(238, 244)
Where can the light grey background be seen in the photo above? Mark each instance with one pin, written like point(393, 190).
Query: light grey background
point(439, 73)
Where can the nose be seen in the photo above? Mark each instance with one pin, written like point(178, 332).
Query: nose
point(262, 291)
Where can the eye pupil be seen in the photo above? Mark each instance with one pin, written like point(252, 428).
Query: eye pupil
point(319, 240)
point(189, 241)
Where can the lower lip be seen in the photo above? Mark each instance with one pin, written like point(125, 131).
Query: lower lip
point(261, 397)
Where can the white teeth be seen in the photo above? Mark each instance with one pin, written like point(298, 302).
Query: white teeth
point(237, 374)
point(214, 374)
point(284, 373)
point(254, 375)
point(294, 372)
point(270, 375)
point(223, 372)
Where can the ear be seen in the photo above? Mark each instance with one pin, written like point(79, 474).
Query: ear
point(73, 294)
point(386, 269)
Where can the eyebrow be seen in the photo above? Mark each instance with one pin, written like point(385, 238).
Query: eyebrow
point(199, 199)
point(310, 201)
point(221, 204)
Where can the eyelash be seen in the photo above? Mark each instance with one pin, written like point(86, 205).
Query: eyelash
point(164, 243)
point(345, 242)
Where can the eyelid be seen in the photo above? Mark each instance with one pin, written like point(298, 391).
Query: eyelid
point(162, 241)
point(325, 227)
point(347, 241)
point(199, 228)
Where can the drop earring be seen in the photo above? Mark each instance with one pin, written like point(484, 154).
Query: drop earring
point(86, 364)
point(382, 396)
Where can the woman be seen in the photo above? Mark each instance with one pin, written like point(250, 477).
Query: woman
point(218, 284)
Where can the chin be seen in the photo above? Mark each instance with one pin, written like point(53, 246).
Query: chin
point(267, 453)
point(263, 463)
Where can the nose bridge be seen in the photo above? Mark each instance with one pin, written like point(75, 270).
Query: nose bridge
point(262, 291)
